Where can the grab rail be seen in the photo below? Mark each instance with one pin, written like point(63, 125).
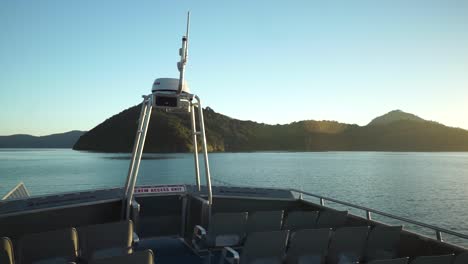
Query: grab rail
point(201, 199)
point(205, 208)
point(438, 230)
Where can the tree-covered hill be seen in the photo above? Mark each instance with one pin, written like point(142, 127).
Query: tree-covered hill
point(62, 140)
point(170, 132)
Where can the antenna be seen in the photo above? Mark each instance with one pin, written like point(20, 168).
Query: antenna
point(187, 35)
point(183, 52)
point(170, 94)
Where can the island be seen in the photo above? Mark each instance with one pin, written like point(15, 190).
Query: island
point(170, 132)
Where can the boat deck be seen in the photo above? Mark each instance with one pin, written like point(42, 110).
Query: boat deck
point(165, 222)
point(171, 250)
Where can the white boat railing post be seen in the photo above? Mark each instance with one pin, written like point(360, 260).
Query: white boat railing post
point(195, 145)
point(135, 144)
point(368, 215)
point(139, 153)
point(205, 150)
point(131, 167)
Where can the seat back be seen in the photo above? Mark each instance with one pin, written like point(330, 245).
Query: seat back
point(347, 245)
point(440, 259)
point(297, 220)
point(332, 219)
point(382, 242)
point(265, 247)
point(138, 257)
point(461, 259)
point(390, 261)
point(262, 221)
point(6, 251)
point(58, 245)
point(106, 240)
point(226, 229)
point(307, 245)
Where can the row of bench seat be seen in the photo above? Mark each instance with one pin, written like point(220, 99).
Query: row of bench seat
point(317, 245)
point(346, 245)
point(82, 244)
point(230, 229)
point(138, 257)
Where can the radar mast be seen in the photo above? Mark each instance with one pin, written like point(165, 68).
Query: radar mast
point(171, 95)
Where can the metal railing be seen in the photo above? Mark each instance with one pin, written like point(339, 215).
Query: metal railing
point(205, 208)
point(438, 230)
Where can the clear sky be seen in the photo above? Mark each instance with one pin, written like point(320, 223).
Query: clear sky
point(67, 65)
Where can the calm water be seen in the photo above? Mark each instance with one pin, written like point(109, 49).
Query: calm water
point(429, 187)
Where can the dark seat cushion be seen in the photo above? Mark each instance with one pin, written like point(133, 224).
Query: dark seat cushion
point(139, 257)
point(57, 245)
point(106, 240)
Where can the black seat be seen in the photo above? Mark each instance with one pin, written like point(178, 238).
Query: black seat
point(58, 246)
point(390, 261)
point(262, 221)
point(308, 246)
point(139, 257)
point(440, 259)
point(106, 240)
point(347, 245)
point(297, 220)
point(260, 247)
point(382, 242)
point(332, 219)
point(461, 259)
point(225, 229)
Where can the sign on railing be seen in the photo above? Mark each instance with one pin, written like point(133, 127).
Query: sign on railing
point(159, 189)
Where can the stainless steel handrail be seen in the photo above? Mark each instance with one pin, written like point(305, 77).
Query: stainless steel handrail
point(438, 230)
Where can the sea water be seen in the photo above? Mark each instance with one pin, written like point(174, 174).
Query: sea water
point(427, 187)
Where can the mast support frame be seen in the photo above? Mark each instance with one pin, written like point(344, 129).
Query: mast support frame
point(140, 138)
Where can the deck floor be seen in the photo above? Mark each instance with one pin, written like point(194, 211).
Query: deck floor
point(171, 250)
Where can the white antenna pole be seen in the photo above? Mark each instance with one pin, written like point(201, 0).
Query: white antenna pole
point(183, 52)
point(187, 35)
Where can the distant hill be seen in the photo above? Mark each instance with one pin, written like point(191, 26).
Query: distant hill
point(169, 132)
point(395, 115)
point(63, 140)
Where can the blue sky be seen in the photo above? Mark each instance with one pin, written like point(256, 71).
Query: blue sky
point(68, 65)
